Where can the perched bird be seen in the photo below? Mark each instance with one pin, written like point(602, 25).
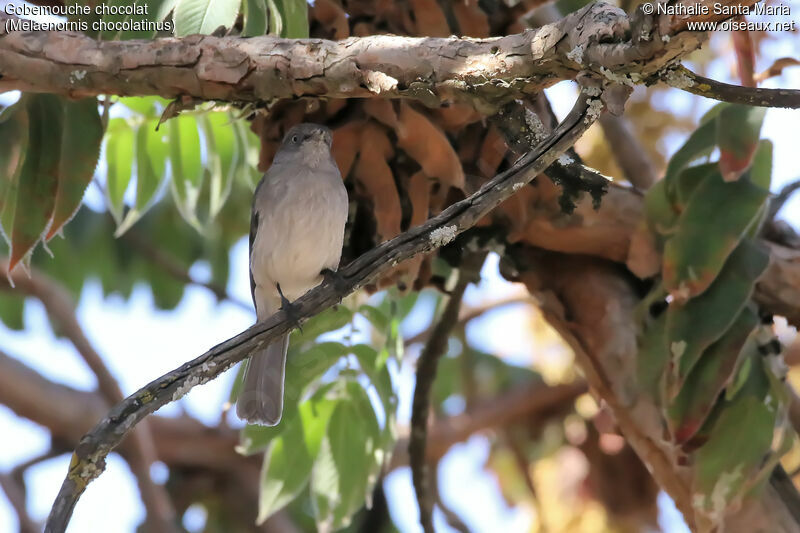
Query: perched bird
point(296, 233)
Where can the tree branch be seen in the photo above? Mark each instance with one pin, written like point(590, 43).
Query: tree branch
point(60, 307)
point(628, 152)
point(16, 497)
point(592, 303)
point(88, 460)
point(781, 198)
point(431, 70)
point(685, 79)
point(471, 313)
point(426, 374)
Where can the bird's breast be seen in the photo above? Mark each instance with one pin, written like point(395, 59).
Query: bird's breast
point(300, 233)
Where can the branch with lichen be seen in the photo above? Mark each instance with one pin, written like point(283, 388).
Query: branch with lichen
point(88, 461)
point(684, 79)
point(599, 38)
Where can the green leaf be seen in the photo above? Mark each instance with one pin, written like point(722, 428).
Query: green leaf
point(80, 149)
point(739, 442)
point(761, 169)
point(716, 218)
point(373, 363)
point(249, 147)
point(119, 155)
point(700, 143)
point(376, 317)
point(255, 18)
point(288, 462)
point(329, 320)
point(152, 148)
point(659, 210)
point(204, 16)
point(14, 133)
point(653, 358)
point(306, 368)
point(12, 306)
point(687, 182)
point(187, 167)
point(288, 18)
point(695, 325)
point(715, 371)
point(38, 177)
point(223, 157)
point(302, 371)
point(738, 130)
point(340, 476)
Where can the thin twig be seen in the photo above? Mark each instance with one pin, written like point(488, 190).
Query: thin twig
point(469, 314)
point(453, 520)
point(59, 305)
point(628, 152)
point(426, 374)
point(16, 497)
point(685, 79)
point(89, 459)
point(785, 193)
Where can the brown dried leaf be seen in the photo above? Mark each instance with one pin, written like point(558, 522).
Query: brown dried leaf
point(375, 176)
point(644, 259)
point(431, 21)
point(419, 196)
point(776, 69)
point(472, 21)
point(418, 190)
point(455, 116)
point(346, 142)
point(331, 15)
point(428, 146)
point(381, 110)
point(493, 151)
point(745, 54)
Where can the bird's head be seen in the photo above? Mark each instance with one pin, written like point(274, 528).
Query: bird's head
point(310, 142)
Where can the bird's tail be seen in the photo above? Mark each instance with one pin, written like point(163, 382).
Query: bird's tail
point(261, 398)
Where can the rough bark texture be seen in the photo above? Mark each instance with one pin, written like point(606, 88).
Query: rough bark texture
point(591, 303)
point(432, 70)
point(88, 461)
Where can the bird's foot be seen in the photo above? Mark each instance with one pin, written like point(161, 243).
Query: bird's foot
point(338, 281)
point(290, 310)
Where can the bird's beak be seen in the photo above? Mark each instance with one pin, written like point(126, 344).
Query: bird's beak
point(321, 136)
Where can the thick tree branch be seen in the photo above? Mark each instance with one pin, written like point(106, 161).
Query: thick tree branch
point(89, 458)
point(591, 303)
point(685, 79)
point(430, 70)
point(60, 307)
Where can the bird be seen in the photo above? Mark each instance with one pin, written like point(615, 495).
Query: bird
point(297, 225)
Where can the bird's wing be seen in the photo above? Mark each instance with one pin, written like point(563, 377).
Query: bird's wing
point(253, 230)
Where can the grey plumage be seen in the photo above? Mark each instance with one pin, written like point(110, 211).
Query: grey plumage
point(296, 231)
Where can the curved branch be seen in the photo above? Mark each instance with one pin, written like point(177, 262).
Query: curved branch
point(88, 461)
point(426, 374)
point(60, 307)
point(685, 79)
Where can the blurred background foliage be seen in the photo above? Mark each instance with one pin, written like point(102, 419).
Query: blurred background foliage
point(176, 179)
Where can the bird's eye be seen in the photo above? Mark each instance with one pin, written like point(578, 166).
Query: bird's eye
point(295, 138)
